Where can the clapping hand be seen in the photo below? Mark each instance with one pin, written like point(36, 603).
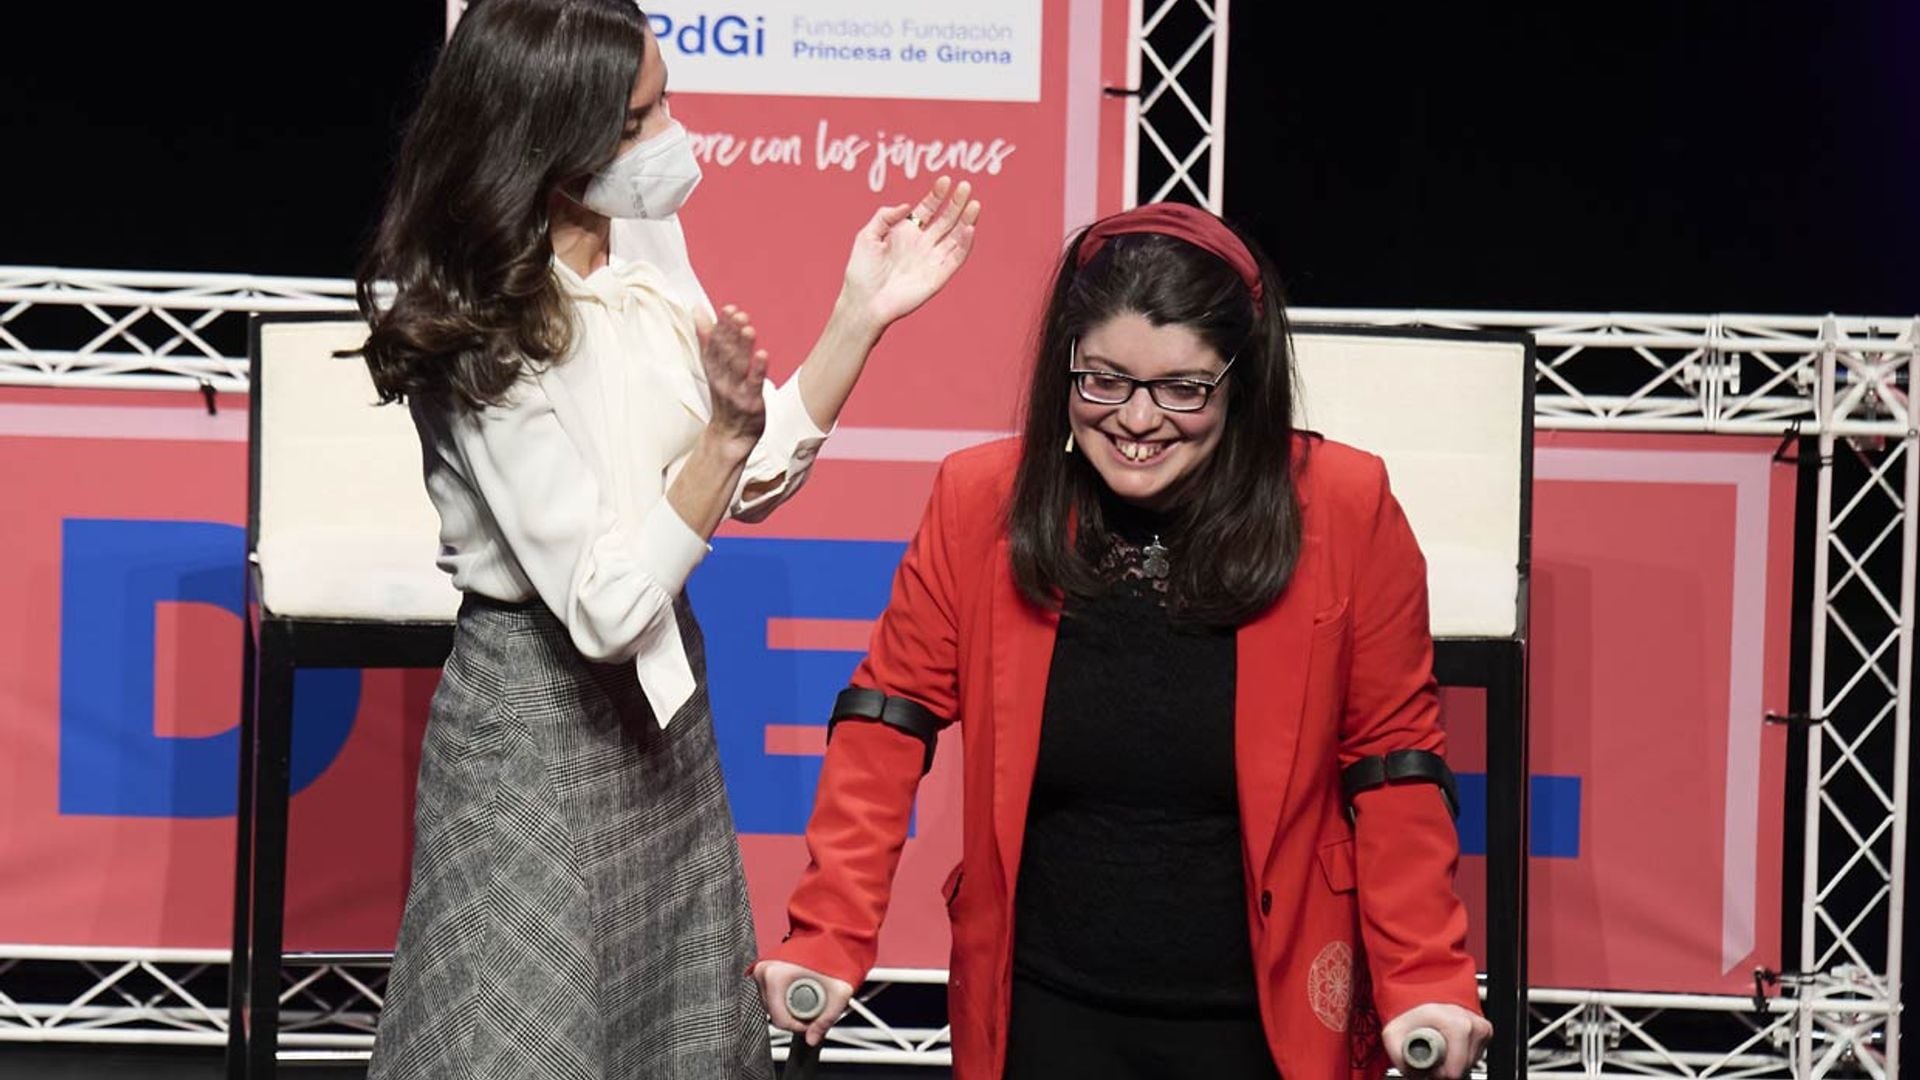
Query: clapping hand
point(736, 371)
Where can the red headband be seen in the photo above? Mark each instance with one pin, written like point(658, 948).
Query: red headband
point(1182, 222)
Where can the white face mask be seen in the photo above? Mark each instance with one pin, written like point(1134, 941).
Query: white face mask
point(651, 180)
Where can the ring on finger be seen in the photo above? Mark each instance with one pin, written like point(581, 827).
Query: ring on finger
point(918, 221)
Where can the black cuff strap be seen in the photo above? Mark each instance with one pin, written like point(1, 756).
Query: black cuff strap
point(904, 714)
point(1401, 765)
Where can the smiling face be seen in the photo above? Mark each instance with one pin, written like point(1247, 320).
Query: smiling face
point(1142, 451)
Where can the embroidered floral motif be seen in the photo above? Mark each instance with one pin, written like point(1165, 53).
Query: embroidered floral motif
point(1330, 985)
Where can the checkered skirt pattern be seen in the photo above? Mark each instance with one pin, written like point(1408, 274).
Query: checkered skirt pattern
point(578, 908)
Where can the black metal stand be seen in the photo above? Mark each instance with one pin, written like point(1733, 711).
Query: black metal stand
point(274, 649)
point(1499, 666)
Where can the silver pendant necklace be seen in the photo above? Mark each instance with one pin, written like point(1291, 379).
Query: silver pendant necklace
point(1156, 566)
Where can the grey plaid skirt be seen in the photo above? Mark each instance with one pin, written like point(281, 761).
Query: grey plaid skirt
point(578, 908)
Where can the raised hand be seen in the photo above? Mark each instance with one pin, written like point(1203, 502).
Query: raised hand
point(906, 253)
point(736, 371)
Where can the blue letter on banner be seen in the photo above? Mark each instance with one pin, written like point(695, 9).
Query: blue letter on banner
point(1553, 810)
point(111, 762)
point(742, 584)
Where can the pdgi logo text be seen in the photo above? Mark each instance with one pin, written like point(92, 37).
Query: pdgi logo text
point(715, 35)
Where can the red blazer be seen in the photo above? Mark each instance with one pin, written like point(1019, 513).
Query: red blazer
point(1351, 920)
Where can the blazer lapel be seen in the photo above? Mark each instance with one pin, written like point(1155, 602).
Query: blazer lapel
point(1022, 656)
point(1270, 691)
point(1274, 655)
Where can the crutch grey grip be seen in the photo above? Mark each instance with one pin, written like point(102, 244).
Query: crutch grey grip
point(806, 998)
point(1425, 1049)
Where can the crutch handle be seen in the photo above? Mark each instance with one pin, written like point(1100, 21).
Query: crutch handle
point(806, 1000)
point(1425, 1049)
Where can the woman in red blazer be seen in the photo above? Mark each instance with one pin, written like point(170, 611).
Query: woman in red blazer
point(1207, 828)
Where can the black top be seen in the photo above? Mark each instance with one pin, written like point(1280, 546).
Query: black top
point(1131, 892)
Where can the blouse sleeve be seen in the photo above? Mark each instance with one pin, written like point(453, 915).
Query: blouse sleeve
point(610, 580)
point(782, 458)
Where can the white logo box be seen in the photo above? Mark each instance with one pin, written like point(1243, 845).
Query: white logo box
point(984, 50)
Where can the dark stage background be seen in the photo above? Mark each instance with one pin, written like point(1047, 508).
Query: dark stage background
point(1696, 155)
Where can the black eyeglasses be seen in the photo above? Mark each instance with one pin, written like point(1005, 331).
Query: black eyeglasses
point(1173, 395)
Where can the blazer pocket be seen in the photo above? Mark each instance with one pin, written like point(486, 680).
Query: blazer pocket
point(951, 889)
point(1336, 862)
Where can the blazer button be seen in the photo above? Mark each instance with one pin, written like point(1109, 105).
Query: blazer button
point(1266, 902)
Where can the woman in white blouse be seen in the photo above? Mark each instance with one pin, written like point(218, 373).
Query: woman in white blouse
point(577, 905)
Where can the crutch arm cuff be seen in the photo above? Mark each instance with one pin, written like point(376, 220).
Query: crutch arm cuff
point(903, 714)
point(1400, 766)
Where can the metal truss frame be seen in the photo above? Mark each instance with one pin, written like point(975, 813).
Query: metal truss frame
point(178, 997)
point(1589, 1034)
point(1172, 128)
point(139, 330)
point(329, 1004)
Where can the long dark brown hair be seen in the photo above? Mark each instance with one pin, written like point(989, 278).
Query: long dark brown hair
point(529, 94)
point(1236, 516)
